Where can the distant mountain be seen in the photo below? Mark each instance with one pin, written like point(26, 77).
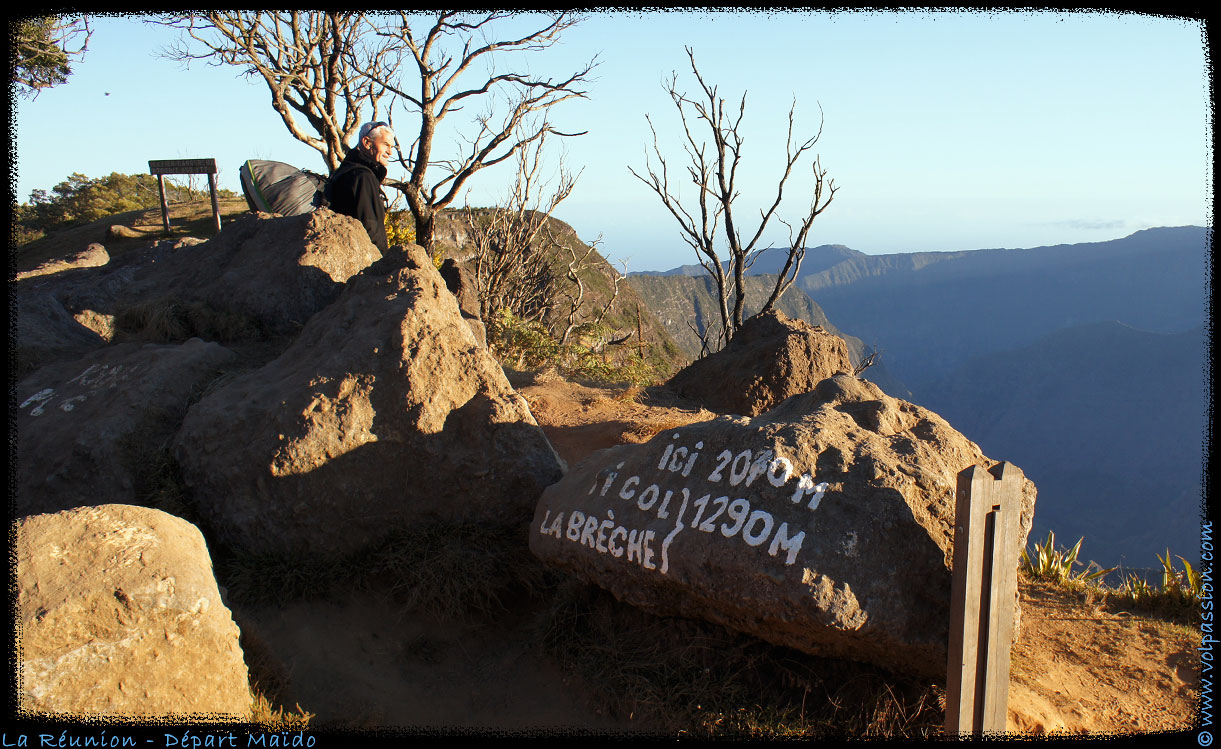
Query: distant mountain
point(930, 311)
point(771, 261)
point(1108, 421)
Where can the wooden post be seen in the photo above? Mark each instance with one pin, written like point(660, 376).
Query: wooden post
point(983, 594)
point(165, 206)
point(163, 167)
point(215, 202)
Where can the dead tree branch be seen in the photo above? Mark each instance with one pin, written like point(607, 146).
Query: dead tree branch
point(715, 157)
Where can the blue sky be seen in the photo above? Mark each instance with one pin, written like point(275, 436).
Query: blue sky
point(943, 130)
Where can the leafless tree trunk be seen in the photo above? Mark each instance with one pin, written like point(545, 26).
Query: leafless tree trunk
point(518, 254)
point(320, 67)
point(713, 170)
point(445, 78)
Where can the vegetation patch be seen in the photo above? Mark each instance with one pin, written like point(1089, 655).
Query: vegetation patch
point(169, 320)
point(1176, 599)
point(526, 344)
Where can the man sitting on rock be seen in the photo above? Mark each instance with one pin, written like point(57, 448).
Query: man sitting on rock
point(355, 187)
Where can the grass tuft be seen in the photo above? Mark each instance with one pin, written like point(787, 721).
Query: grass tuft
point(169, 320)
point(271, 717)
point(456, 571)
point(1056, 565)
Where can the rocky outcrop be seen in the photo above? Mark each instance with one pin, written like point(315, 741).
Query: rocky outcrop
point(88, 430)
point(274, 272)
point(262, 276)
point(384, 411)
point(118, 614)
point(825, 524)
point(90, 257)
point(771, 358)
point(47, 332)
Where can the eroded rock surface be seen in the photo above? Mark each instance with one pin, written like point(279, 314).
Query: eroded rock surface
point(384, 411)
point(771, 358)
point(825, 524)
point(119, 614)
point(90, 431)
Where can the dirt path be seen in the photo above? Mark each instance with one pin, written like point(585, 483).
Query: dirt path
point(1080, 668)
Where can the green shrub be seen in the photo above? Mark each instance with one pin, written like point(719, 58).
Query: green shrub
point(1178, 598)
point(400, 227)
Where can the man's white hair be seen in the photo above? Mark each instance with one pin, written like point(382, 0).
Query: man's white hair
point(368, 128)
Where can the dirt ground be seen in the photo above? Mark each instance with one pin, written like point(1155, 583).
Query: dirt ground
point(1077, 667)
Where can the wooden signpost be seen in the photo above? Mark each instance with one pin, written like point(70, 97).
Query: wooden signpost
point(185, 166)
point(983, 592)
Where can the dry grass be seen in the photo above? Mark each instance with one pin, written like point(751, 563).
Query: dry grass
point(168, 320)
point(456, 571)
point(271, 717)
point(685, 677)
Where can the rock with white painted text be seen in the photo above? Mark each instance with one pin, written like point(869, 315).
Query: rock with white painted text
point(94, 431)
point(825, 524)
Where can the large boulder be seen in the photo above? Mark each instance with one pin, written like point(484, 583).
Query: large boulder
point(267, 271)
point(118, 614)
point(262, 276)
point(384, 411)
point(90, 431)
point(771, 358)
point(461, 283)
point(825, 524)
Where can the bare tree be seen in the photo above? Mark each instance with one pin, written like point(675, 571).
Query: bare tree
point(525, 263)
point(43, 50)
point(714, 172)
point(319, 67)
point(446, 77)
point(325, 70)
point(511, 262)
point(574, 295)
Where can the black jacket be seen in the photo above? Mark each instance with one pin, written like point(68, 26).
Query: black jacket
point(355, 190)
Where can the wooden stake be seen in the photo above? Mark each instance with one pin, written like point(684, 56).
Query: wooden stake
point(983, 594)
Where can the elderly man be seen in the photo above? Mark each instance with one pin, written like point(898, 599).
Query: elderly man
point(355, 187)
